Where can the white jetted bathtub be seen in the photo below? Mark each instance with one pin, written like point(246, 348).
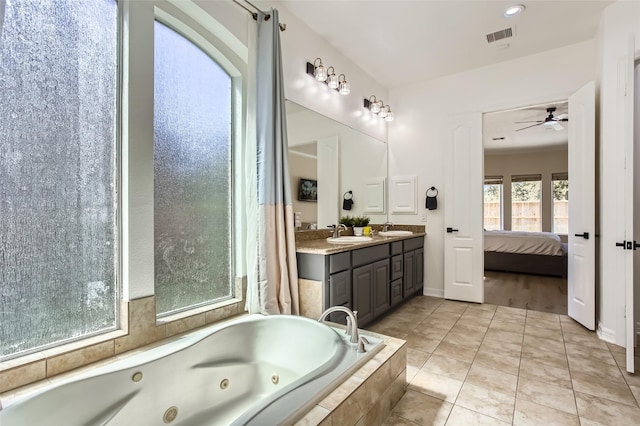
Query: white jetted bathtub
point(258, 370)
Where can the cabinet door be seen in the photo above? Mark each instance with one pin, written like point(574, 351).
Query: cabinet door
point(396, 267)
point(362, 293)
point(339, 294)
point(381, 291)
point(409, 271)
point(396, 292)
point(419, 261)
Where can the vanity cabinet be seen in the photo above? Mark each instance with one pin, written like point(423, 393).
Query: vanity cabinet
point(369, 280)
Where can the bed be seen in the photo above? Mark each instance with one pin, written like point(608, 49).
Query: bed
point(540, 253)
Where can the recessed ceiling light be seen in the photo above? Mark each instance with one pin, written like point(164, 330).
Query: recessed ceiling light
point(513, 10)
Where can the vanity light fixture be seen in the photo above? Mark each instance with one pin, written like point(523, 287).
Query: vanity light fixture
point(329, 77)
point(319, 72)
point(379, 108)
point(332, 79)
point(514, 10)
point(344, 86)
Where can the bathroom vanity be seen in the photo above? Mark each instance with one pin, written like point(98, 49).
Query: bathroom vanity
point(369, 277)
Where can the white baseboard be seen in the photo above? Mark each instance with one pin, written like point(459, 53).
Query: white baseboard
point(433, 292)
point(606, 334)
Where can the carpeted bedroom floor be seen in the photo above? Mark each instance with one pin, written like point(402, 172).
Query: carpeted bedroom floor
point(533, 292)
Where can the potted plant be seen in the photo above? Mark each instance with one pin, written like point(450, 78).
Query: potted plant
point(347, 221)
point(359, 222)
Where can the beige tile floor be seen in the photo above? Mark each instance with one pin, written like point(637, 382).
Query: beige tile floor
point(470, 364)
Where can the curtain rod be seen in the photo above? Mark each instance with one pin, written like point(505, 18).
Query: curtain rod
point(255, 15)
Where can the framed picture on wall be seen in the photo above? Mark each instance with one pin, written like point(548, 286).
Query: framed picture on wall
point(308, 190)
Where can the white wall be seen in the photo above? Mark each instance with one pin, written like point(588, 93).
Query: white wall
point(416, 136)
point(619, 20)
point(544, 163)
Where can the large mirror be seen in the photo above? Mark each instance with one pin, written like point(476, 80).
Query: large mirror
point(328, 159)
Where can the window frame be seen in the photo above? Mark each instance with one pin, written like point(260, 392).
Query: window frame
point(564, 176)
point(495, 180)
point(117, 216)
point(527, 178)
point(232, 184)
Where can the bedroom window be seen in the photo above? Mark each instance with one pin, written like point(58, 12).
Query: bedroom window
point(560, 186)
point(493, 203)
point(526, 206)
point(192, 175)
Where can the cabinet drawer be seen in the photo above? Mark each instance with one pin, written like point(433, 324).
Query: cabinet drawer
point(339, 262)
point(396, 267)
point(396, 248)
point(369, 254)
point(413, 243)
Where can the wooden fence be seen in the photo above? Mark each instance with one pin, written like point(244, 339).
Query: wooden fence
point(525, 216)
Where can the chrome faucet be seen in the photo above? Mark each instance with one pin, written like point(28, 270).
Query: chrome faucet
point(337, 230)
point(352, 320)
point(385, 226)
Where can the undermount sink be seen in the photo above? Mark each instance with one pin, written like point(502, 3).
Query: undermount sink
point(349, 240)
point(394, 233)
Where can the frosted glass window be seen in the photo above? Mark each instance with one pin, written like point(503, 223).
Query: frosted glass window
point(58, 74)
point(192, 175)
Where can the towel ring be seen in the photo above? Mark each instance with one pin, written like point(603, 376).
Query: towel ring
point(433, 188)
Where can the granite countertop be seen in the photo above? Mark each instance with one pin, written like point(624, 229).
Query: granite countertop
point(321, 246)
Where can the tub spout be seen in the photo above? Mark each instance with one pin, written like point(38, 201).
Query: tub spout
point(352, 320)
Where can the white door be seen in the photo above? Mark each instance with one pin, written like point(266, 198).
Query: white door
point(328, 182)
point(463, 255)
point(581, 287)
point(630, 240)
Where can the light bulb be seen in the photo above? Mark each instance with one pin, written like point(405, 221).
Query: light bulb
point(345, 87)
point(375, 107)
point(513, 10)
point(332, 79)
point(389, 116)
point(383, 111)
point(320, 72)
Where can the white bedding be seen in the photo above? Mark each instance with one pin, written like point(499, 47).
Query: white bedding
point(544, 243)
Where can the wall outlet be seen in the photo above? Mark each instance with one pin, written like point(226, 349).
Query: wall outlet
point(423, 217)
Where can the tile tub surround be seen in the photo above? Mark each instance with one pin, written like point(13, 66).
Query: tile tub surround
point(470, 364)
point(367, 397)
point(139, 327)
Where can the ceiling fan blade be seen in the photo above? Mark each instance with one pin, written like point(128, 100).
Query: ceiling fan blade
point(533, 125)
point(562, 117)
point(530, 121)
point(557, 126)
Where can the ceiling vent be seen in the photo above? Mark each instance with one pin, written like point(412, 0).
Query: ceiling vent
point(500, 35)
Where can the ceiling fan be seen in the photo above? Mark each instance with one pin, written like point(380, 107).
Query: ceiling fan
point(550, 121)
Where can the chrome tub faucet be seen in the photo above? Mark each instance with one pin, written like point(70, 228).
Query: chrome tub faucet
point(352, 321)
